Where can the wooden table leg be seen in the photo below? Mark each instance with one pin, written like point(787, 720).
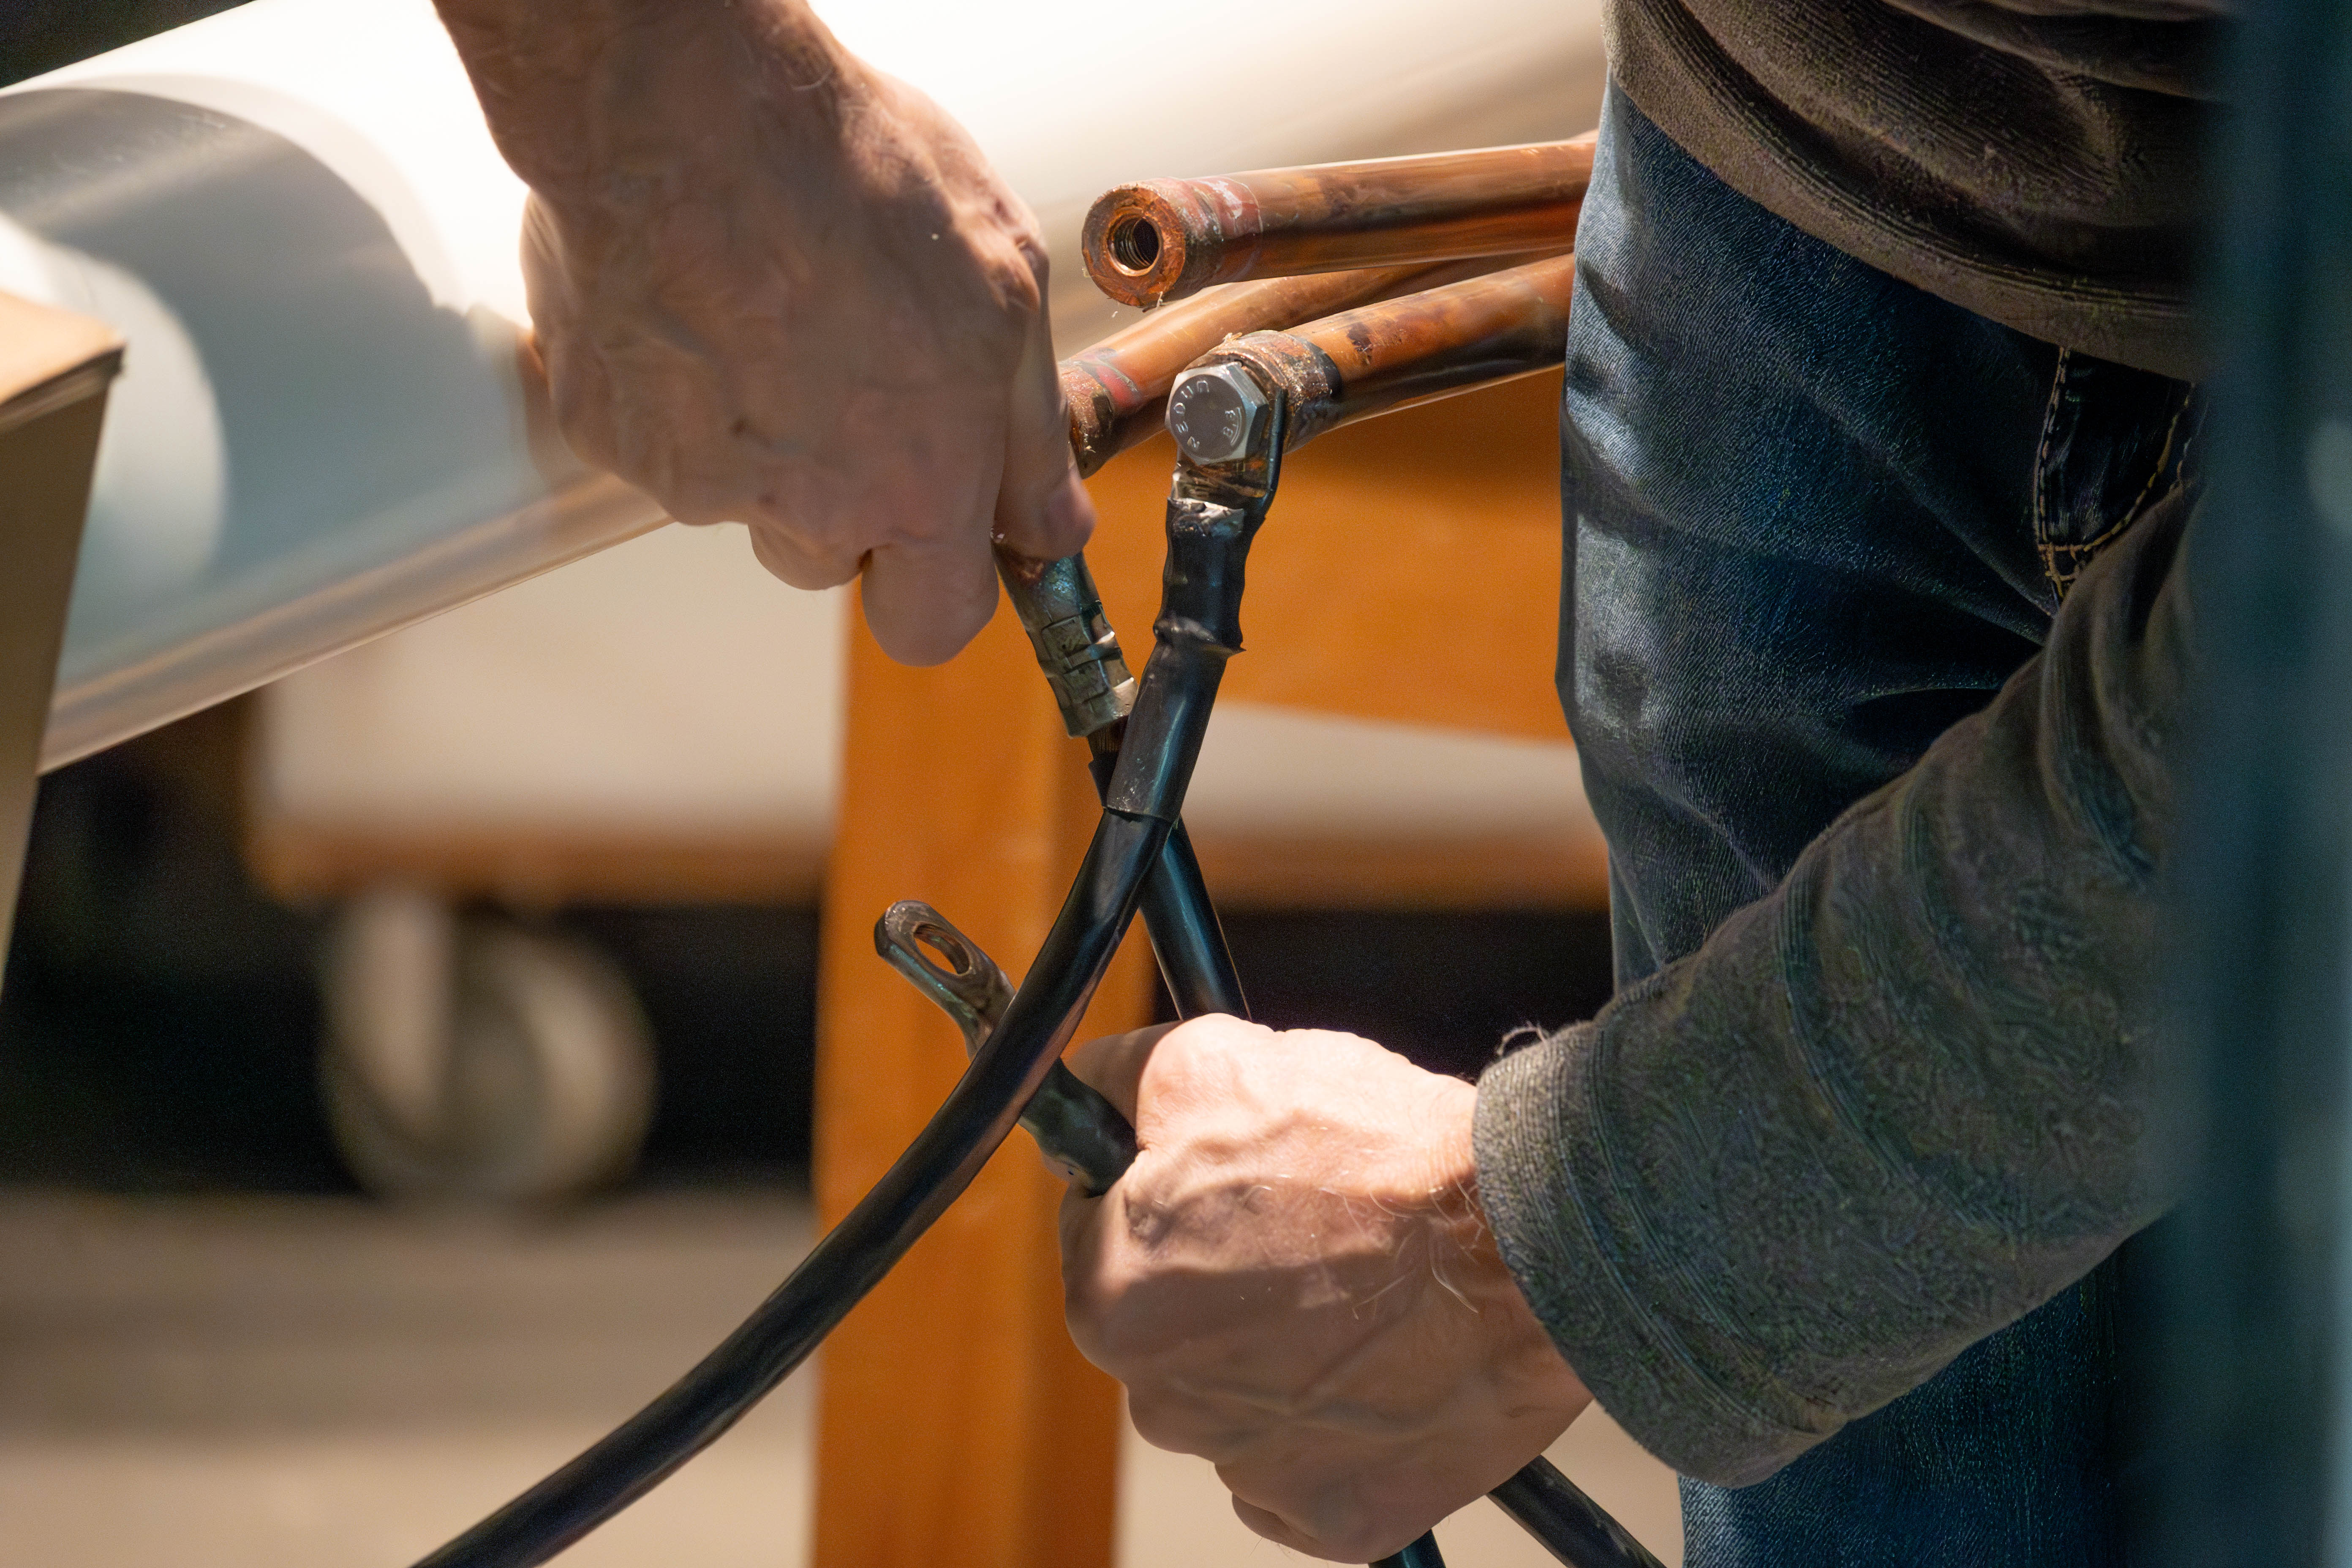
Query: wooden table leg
point(54, 370)
point(958, 1425)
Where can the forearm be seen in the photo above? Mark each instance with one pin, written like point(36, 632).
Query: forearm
point(1892, 1107)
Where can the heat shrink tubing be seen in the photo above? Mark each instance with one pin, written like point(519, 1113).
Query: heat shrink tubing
point(1261, 393)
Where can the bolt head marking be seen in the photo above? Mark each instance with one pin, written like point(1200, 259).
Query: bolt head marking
point(1214, 414)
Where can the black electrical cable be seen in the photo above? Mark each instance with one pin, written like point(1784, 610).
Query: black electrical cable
point(1196, 633)
point(1186, 937)
point(976, 1117)
point(1571, 1526)
point(1139, 857)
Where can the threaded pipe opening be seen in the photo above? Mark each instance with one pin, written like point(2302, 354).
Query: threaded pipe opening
point(1134, 243)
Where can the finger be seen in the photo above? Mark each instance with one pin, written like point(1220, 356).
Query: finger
point(1080, 1228)
point(1275, 1528)
point(786, 559)
point(1042, 507)
point(1336, 1525)
point(1113, 1065)
point(926, 598)
point(567, 390)
point(1167, 1418)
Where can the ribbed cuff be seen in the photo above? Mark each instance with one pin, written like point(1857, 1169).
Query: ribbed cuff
point(1543, 1165)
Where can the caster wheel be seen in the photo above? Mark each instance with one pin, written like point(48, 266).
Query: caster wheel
point(472, 1060)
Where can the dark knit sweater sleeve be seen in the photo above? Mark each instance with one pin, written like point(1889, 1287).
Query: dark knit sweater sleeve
point(1892, 1107)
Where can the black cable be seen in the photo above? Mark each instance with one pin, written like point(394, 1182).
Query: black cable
point(1186, 937)
point(1571, 1526)
point(1196, 634)
point(1138, 855)
point(976, 1117)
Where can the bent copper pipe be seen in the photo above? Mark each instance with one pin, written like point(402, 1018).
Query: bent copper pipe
point(1162, 241)
point(1117, 388)
point(1380, 358)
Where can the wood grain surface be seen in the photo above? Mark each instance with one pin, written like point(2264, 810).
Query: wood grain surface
point(1410, 569)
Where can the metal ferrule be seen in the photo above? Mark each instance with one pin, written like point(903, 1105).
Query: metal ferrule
point(1062, 612)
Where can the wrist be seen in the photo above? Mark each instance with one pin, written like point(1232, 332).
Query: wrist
point(1538, 1373)
point(1448, 1148)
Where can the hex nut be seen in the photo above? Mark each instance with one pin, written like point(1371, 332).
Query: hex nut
point(1215, 413)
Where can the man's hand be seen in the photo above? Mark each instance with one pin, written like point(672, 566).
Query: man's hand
point(1293, 1280)
point(773, 286)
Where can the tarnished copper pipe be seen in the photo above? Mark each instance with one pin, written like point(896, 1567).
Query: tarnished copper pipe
point(1117, 388)
point(1415, 349)
point(1163, 239)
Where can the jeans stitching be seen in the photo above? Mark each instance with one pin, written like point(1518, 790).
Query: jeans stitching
point(2041, 457)
point(2076, 555)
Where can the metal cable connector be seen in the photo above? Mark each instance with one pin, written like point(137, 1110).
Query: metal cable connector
point(1062, 612)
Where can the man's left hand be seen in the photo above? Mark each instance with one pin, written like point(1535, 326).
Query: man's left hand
point(1294, 1281)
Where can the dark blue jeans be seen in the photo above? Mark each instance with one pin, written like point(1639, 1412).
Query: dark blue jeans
point(1815, 515)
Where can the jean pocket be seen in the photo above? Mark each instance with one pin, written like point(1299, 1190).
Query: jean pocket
point(2114, 441)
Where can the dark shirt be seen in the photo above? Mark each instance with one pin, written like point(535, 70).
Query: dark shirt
point(2033, 161)
point(1895, 1104)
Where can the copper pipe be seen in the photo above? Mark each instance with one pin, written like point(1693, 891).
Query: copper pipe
point(1416, 349)
point(1159, 240)
point(1117, 388)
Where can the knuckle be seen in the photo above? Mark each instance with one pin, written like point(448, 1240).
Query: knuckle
point(1174, 1424)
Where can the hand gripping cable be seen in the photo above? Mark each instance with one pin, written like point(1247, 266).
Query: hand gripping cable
point(1235, 410)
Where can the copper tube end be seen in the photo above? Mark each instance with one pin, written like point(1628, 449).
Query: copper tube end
point(1135, 243)
point(1160, 240)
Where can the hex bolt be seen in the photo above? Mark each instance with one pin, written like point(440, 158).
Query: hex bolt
point(1214, 413)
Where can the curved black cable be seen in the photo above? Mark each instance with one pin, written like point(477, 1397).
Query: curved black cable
point(976, 1117)
point(1140, 855)
point(1178, 916)
point(1196, 634)
point(1571, 1526)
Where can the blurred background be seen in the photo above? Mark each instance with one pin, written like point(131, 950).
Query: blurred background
point(246, 1315)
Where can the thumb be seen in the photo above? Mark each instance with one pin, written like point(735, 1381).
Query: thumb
point(1042, 507)
point(1113, 1065)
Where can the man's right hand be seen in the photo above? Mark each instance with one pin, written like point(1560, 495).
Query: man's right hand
point(1296, 1281)
point(772, 286)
